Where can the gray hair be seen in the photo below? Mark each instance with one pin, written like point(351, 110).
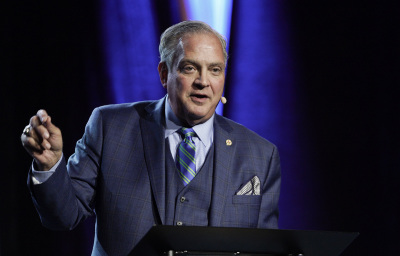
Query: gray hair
point(172, 36)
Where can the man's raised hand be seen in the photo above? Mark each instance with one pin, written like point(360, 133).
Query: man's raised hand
point(43, 141)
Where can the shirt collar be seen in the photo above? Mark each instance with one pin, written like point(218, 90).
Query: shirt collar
point(204, 131)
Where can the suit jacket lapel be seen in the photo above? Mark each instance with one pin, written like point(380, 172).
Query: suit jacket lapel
point(154, 152)
point(223, 157)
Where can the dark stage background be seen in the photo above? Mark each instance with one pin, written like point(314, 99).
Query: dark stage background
point(317, 79)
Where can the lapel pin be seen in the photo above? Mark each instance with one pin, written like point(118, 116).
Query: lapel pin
point(228, 142)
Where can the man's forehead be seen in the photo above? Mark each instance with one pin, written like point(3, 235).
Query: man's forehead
point(189, 45)
point(186, 38)
point(184, 42)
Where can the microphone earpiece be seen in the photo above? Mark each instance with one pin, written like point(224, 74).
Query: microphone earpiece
point(223, 100)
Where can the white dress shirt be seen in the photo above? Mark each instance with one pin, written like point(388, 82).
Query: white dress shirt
point(203, 140)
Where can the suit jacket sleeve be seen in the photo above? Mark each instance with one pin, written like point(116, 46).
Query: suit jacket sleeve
point(67, 197)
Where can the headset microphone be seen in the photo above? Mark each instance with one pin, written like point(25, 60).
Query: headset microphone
point(223, 100)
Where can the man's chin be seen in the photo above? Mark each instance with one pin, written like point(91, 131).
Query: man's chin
point(194, 118)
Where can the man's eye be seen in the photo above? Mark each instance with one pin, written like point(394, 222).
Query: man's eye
point(216, 70)
point(188, 68)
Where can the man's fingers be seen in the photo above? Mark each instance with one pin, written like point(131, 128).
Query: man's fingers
point(42, 127)
point(30, 144)
point(50, 126)
point(35, 138)
point(42, 114)
point(33, 144)
point(42, 132)
point(42, 140)
point(35, 121)
point(41, 118)
point(37, 131)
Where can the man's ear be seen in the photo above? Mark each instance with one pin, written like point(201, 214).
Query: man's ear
point(163, 72)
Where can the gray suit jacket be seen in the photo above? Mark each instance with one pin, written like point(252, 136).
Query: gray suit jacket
point(118, 172)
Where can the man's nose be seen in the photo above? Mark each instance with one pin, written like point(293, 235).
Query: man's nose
point(202, 81)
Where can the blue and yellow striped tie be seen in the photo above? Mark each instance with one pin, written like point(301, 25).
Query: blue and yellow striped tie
point(185, 157)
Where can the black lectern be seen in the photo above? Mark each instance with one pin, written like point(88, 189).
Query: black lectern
point(182, 240)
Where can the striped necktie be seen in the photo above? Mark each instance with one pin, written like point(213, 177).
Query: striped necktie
point(185, 157)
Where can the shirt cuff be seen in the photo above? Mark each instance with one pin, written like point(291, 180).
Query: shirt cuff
point(38, 177)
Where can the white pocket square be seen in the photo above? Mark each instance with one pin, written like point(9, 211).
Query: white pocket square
point(250, 188)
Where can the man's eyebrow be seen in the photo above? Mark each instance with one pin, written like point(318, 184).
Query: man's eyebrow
point(185, 61)
point(195, 63)
point(221, 64)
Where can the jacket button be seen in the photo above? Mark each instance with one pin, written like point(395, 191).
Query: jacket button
point(183, 199)
point(179, 223)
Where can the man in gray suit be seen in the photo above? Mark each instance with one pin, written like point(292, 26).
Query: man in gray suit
point(127, 167)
